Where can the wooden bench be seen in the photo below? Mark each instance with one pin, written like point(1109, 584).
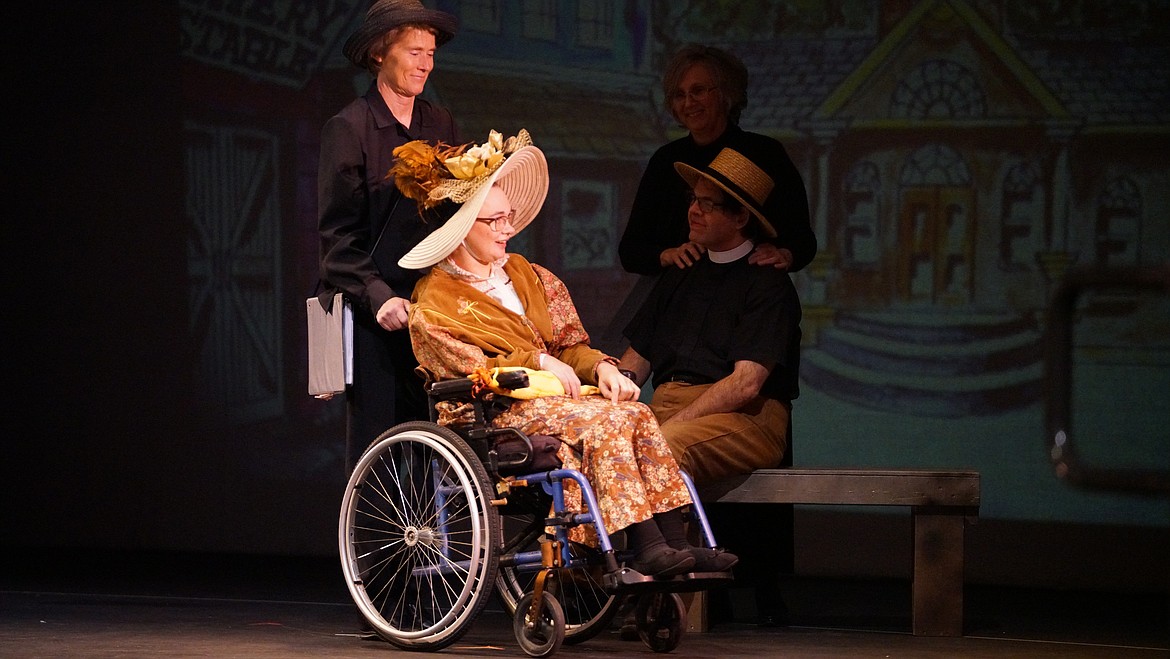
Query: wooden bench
point(940, 503)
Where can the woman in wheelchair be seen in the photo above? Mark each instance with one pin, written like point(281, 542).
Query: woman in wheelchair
point(480, 307)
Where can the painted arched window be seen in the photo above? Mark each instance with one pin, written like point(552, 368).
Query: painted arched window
point(1118, 229)
point(939, 89)
point(933, 165)
point(862, 195)
point(1022, 212)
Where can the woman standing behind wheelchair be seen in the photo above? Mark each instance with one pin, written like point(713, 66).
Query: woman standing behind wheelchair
point(480, 307)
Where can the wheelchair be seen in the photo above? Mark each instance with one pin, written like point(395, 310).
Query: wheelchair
point(434, 519)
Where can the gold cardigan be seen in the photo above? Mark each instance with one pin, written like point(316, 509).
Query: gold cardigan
point(455, 328)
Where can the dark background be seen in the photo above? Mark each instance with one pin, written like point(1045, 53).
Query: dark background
point(110, 442)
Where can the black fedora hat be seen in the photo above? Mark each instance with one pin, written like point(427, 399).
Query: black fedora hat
point(385, 15)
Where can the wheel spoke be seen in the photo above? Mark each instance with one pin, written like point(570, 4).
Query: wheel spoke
point(419, 542)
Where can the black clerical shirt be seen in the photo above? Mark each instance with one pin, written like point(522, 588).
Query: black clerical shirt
point(698, 321)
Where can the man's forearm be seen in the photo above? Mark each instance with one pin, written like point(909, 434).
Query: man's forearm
point(727, 395)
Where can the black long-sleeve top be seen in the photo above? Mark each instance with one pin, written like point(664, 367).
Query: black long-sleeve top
point(355, 198)
point(658, 218)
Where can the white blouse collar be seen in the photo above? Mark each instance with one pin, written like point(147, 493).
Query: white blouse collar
point(497, 285)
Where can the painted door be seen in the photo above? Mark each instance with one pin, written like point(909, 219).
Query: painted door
point(935, 254)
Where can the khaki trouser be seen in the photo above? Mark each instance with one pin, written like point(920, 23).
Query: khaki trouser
point(717, 446)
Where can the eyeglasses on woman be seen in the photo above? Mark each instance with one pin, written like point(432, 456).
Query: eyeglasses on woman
point(498, 222)
point(696, 93)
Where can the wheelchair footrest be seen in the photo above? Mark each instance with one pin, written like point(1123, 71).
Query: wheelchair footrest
point(627, 580)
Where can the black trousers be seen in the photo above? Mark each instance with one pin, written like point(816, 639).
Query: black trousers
point(385, 390)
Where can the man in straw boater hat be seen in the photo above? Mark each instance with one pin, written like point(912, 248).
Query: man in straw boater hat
point(480, 308)
point(364, 229)
point(722, 337)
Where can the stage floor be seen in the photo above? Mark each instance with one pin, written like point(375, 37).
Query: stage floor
point(87, 604)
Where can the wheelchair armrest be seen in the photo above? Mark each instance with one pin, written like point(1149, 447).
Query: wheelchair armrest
point(461, 387)
point(448, 389)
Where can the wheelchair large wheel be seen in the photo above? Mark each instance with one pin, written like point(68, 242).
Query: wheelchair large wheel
point(418, 536)
point(588, 607)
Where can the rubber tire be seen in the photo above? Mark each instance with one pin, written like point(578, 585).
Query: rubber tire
point(546, 637)
point(420, 582)
point(661, 619)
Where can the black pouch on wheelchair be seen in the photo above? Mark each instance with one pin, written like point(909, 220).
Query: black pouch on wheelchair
point(512, 450)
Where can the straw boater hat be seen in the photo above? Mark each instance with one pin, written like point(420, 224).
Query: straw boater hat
point(385, 15)
point(515, 165)
point(738, 177)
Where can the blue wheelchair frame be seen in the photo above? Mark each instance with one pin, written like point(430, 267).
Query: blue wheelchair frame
point(378, 527)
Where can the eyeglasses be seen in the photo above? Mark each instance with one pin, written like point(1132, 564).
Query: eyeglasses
point(693, 94)
point(497, 223)
point(706, 204)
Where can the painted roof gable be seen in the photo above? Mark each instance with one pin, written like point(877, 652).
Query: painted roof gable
point(941, 62)
point(1103, 83)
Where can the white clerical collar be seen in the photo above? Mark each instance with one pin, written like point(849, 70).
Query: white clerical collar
point(733, 254)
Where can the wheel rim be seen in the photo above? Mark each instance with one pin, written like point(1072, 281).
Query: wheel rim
point(415, 547)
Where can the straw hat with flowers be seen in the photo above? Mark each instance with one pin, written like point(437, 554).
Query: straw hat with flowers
point(433, 174)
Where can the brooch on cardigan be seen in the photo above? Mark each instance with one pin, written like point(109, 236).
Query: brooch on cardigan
point(468, 307)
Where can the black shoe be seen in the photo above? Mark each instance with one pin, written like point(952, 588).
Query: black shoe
point(628, 626)
point(712, 560)
point(663, 562)
point(629, 630)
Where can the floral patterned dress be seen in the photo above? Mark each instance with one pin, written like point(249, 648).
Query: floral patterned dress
point(456, 328)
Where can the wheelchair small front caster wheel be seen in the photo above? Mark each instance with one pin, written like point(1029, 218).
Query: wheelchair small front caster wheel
point(661, 619)
point(540, 635)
